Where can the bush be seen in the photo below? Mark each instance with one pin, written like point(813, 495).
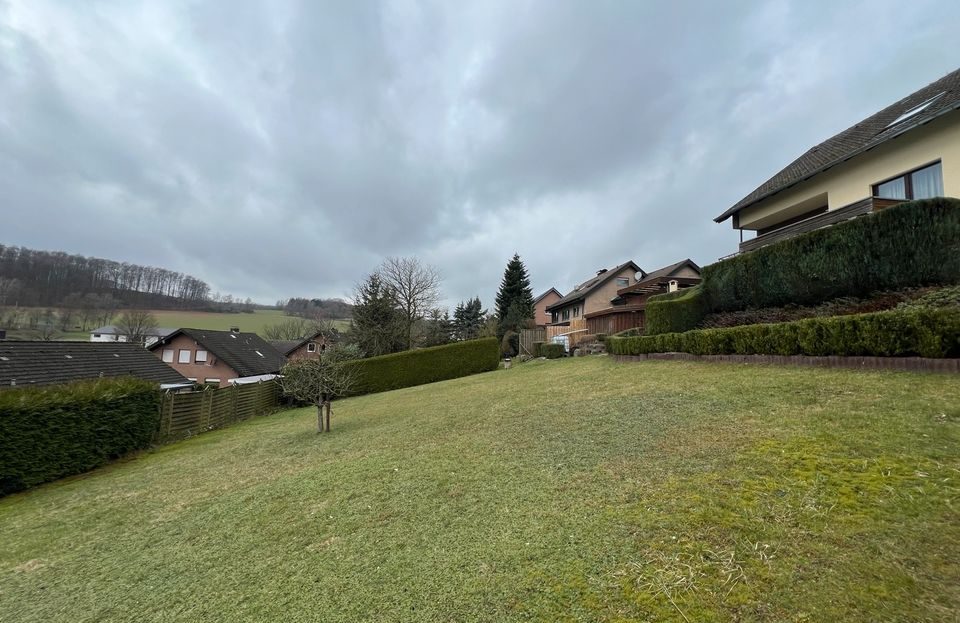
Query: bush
point(536, 349)
point(50, 432)
point(552, 351)
point(675, 312)
point(912, 244)
point(425, 365)
point(944, 297)
point(895, 333)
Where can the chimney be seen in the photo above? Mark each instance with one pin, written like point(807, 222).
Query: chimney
point(601, 271)
point(674, 285)
point(234, 329)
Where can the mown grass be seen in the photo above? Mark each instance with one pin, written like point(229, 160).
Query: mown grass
point(567, 490)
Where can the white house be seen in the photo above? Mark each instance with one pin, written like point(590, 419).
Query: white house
point(111, 333)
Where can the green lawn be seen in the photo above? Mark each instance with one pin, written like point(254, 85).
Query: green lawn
point(255, 322)
point(567, 490)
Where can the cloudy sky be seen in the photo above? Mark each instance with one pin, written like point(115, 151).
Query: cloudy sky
point(282, 149)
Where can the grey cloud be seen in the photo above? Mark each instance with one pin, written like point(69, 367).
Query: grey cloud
point(284, 148)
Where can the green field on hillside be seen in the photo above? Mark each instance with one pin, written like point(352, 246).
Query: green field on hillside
point(566, 490)
point(255, 322)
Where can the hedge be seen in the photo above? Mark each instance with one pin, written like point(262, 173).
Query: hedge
point(894, 333)
point(911, 244)
point(51, 432)
point(552, 351)
point(675, 312)
point(426, 365)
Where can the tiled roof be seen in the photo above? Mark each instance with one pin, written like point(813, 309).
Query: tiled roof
point(286, 346)
point(937, 98)
point(669, 270)
point(540, 298)
point(47, 363)
point(247, 353)
point(588, 286)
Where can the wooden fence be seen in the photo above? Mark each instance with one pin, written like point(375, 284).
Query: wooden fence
point(575, 332)
point(186, 414)
point(528, 337)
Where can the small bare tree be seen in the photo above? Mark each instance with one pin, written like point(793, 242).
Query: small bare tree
point(136, 325)
point(321, 381)
point(416, 287)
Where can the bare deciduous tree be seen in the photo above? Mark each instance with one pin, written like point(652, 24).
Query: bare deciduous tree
point(136, 325)
point(321, 381)
point(299, 328)
point(415, 285)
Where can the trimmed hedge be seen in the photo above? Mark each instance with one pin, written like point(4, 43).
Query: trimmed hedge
point(895, 333)
point(675, 312)
point(426, 365)
point(51, 432)
point(911, 244)
point(552, 351)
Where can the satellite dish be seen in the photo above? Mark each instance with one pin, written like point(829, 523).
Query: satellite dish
point(639, 276)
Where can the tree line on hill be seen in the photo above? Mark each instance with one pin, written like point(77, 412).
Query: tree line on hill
point(33, 278)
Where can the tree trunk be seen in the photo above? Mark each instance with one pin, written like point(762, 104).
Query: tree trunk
point(328, 416)
point(320, 418)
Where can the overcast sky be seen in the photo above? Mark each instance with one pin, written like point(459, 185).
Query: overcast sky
point(279, 149)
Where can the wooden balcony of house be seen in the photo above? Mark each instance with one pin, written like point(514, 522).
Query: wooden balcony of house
point(826, 219)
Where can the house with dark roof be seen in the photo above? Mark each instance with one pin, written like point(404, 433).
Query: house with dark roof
point(50, 363)
point(112, 333)
point(627, 309)
point(309, 347)
point(540, 304)
point(592, 295)
point(909, 150)
point(219, 358)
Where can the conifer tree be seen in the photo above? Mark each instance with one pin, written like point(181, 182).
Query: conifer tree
point(515, 299)
point(377, 326)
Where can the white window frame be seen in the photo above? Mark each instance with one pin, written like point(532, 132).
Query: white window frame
point(200, 356)
point(181, 358)
point(167, 355)
point(311, 347)
point(623, 282)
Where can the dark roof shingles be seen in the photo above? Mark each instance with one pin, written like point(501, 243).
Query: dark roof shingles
point(47, 363)
point(585, 288)
point(247, 353)
point(865, 135)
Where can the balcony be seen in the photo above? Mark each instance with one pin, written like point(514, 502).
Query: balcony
point(852, 211)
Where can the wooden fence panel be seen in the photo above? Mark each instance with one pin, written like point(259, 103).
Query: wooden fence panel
point(527, 339)
point(187, 414)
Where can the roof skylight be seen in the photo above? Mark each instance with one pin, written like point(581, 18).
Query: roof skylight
point(916, 109)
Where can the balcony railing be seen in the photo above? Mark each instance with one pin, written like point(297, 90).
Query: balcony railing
point(854, 210)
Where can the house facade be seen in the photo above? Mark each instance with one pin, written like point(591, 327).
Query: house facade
point(219, 358)
point(310, 347)
point(112, 333)
point(862, 169)
point(627, 310)
point(540, 304)
point(593, 294)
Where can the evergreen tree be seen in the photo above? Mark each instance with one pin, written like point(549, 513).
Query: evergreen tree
point(437, 328)
point(514, 292)
point(377, 326)
point(468, 319)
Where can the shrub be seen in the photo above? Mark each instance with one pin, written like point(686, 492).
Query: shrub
point(912, 244)
point(536, 349)
point(895, 333)
point(50, 432)
point(675, 312)
point(552, 351)
point(426, 365)
point(944, 297)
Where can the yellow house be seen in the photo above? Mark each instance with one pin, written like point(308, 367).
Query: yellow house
point(909, 150)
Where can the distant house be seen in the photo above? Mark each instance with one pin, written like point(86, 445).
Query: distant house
point(49, 363)
point(626, 310)
point(112, 333)
point(309, 347)
point(908, 150)
point(593, 294)
point(219, 358)
point(540, 304)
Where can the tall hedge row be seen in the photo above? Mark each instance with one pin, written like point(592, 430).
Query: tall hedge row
point(912, 244)
point(426, 365)
point(895, 333)
point(675, 312)
point(50, 432)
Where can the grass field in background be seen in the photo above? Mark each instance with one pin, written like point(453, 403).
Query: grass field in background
point(255, 322)
point(566, 490)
